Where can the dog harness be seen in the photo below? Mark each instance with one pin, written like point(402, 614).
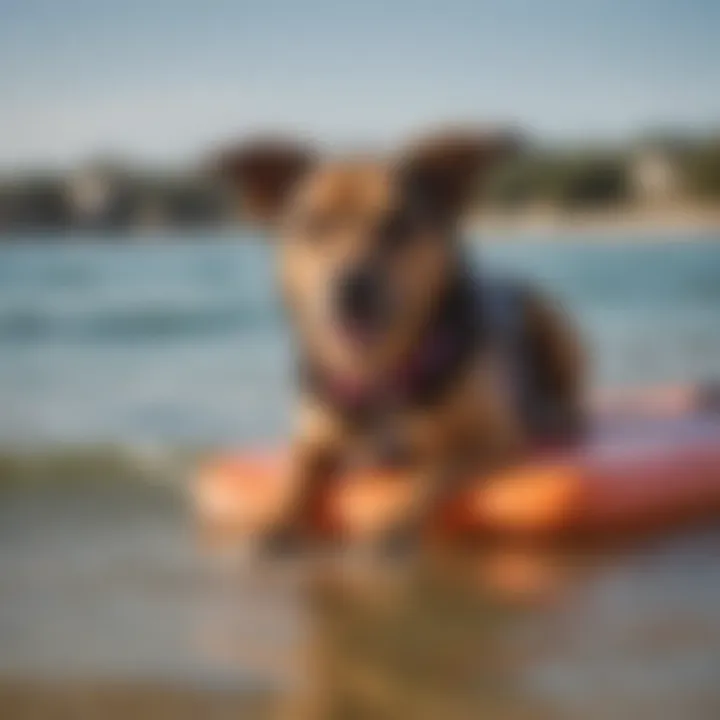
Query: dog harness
point(470, 318)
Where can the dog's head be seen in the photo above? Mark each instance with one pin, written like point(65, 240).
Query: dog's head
point(366, 245)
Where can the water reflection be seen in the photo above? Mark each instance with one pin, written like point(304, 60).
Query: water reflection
point(110, 588)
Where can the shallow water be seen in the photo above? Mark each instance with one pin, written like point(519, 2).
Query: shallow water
point(111, 598)
point(112, 586)
point(183, 342)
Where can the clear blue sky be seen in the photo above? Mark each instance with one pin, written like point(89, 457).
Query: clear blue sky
point(166, 78)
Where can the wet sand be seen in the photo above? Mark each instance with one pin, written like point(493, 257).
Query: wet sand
point(609, 225)
point(110, 606)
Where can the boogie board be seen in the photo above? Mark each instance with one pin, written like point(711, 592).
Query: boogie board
point(650, 461)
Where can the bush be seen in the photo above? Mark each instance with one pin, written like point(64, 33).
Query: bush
point(591, 181)
point(567, 180)
point(702, 171)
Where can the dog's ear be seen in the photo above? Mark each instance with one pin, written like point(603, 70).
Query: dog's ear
point(446, 170)
point(263, 172)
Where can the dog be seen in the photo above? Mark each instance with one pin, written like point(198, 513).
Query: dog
point(405, 354)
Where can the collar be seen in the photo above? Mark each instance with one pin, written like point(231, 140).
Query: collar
point(449, 341)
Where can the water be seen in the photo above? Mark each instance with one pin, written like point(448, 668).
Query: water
point(179, 342)
point(111, 599)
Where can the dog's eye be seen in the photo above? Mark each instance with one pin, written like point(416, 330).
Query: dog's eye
point(396, 231)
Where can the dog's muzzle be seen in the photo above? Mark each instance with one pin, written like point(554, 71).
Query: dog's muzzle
point(358, 300)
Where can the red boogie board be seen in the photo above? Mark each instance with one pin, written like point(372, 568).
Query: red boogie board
point(653, 467)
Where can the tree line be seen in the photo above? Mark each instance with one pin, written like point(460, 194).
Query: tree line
point(107, 196)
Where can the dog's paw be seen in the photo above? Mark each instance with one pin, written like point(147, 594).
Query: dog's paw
point(285, 540)
point(402, 540)
point(279, 541)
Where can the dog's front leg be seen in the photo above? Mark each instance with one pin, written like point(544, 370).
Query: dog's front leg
point(309, 470)
point(446, 472)
point(433, 485)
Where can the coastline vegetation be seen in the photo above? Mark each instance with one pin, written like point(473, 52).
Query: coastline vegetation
point(649, 178)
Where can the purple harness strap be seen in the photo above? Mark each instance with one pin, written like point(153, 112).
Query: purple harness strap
point(488, 313)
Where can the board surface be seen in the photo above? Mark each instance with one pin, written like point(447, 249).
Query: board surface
point(633, 471)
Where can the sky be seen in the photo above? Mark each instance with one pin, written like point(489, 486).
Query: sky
point(167, 79)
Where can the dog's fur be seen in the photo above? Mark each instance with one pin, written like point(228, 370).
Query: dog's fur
point(371, 268)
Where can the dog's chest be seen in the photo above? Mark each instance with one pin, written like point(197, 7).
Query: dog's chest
point(468, 416)
point(387, 440)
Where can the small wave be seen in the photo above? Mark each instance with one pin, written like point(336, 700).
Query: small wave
point(96, 464)
point(135, 324)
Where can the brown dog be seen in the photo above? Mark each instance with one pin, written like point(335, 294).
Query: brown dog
point(404, 355)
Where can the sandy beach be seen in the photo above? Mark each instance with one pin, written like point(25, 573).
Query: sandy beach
point(608, 225)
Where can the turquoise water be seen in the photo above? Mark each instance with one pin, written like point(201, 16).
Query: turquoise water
point(105, 578)
point(182, 341)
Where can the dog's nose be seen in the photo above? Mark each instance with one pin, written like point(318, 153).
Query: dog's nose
point(357, 296)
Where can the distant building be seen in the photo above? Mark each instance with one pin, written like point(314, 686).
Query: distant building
point(90, 192)
point(99, 195)
point(655, 175)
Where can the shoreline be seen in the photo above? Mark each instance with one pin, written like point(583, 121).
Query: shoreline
point(683, 222)
point(607, 224)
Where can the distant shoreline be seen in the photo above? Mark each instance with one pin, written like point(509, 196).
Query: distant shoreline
point(683, 222)
point(620, 222)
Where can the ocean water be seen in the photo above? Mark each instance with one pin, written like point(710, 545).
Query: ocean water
point(182, 341)
point(110, 598)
